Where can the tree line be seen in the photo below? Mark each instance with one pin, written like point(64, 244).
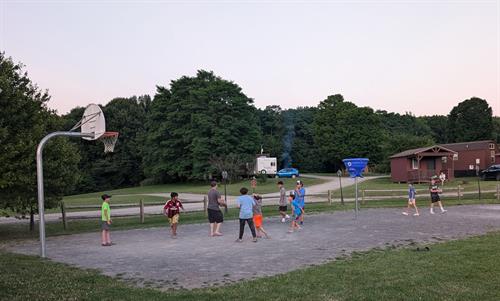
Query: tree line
point(198, 126)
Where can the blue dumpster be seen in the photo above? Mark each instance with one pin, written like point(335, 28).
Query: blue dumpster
point(355, 166)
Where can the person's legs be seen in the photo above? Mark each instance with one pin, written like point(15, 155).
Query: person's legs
point(108, 237)
point(415, 206)
point(441, 206)
point(242, 228)
point(103, 237)
point(174, 229)
point(261, 229)
point(217, 229)
point(252, 228)
point(212, 226)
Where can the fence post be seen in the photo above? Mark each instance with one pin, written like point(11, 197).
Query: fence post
point(498, 192)
point(329, 196)
point(63, 212)
point(141, 210)
point(459, 196)
point(363, 197)
point(205, 205)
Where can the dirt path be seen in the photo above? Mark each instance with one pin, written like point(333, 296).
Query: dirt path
point(151, 257)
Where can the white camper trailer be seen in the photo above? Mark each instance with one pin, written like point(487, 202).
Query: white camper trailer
point(265, 165)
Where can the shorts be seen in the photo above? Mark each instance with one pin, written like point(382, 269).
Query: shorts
point(257, 220)
point(411, 201)
point(435, 198)
point(104, 225)
point(297, 217)
point(174, 219)
point(215, 216)
point(283, 208)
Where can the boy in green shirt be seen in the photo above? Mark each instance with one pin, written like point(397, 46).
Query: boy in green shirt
point(105, 221)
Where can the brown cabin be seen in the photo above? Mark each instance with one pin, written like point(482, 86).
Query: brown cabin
point(473, 156)
point(420, 164)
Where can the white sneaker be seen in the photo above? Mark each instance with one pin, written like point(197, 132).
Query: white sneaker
point(443, 211)
point(416, 214)
point(287, 216)
point(283, 220)
point(432, 211)
point(405, 213)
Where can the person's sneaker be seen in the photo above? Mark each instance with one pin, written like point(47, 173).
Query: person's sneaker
point(444, 211)
point(283, 220)
point(405, 213)
point(290, 231)
point(287, 216)
point(432, 211)
point(254, 239)
point(301, 223)
point(239, 240)
point(416, 214)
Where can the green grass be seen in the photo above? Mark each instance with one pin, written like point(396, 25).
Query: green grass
point(457, 270)
point(134, 194)
point(385, 183)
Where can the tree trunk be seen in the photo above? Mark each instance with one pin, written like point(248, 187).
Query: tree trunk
point(32, 219)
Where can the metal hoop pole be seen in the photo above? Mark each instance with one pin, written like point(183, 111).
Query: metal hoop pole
point(39, 179)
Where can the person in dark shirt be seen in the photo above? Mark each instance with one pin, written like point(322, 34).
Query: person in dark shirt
point(434, 190)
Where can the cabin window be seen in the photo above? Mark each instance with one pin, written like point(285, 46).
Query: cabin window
point(492, 146)
point(455, 157)
point(444, 159)
point(414, 163)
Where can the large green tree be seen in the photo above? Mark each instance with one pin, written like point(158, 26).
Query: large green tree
point(344, 130)
point(24, 121)
point(470, 120)
point(272, 130)
point(197, 119)
point(438, 125)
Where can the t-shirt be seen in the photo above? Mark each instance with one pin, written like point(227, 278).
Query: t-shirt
point(282, 196)
point(296, 207)
point(257, 208)
point(300, 197)
point(172, 207)
point(105, 206)
point(411, 193)
point(246, 203)
point(213, 199)
point(434, 188)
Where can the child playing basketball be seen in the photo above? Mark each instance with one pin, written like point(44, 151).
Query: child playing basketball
point(246, 203)
point(297, 213)
point(411, 200)
point(172, 211)
point(257, 216)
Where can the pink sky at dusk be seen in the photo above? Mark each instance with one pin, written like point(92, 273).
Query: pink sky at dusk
point(401, 56)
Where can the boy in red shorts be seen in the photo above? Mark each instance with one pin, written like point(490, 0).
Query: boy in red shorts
point(172, 211)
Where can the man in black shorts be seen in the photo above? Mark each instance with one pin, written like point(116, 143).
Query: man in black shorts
point(434, 189)
point(282, 203)
point(215, 217)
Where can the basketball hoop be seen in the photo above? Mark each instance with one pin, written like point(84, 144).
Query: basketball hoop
point(109, 140)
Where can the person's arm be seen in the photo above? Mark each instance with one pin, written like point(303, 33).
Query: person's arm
point(181, 206)
point(165, 208)
point(107, 215)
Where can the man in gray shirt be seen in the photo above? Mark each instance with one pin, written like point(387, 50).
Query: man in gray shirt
point(282, 203)
point(215, 217)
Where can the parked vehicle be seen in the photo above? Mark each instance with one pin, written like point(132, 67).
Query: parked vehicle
point(265, 165)
point(492, 172)
point(288, 173)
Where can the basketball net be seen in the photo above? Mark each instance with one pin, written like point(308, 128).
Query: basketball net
point(109, 140)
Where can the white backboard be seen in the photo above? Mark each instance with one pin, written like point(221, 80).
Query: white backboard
point(93, 122)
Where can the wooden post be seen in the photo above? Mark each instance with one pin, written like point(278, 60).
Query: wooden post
point(205, 204)
point(363, 197)
point(330, 196)
point(498, 192)
point(459, 196)
point(141, 210)
point(63, 212)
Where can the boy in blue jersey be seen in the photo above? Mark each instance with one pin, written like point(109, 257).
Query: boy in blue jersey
point(411, 201)
point(246, 203)
point(298, 212)
point(300, 193)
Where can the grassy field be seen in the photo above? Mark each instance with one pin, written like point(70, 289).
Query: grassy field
point(456, 270)
point(134, 194)
point(385, 183)
point(20, 231)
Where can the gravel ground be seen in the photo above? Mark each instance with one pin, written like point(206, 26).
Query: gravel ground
point(149, 257)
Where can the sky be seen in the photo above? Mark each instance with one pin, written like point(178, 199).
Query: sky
point(422, 57)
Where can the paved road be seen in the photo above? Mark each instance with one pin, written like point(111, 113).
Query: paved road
point(331, 184)
point(150, 256)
